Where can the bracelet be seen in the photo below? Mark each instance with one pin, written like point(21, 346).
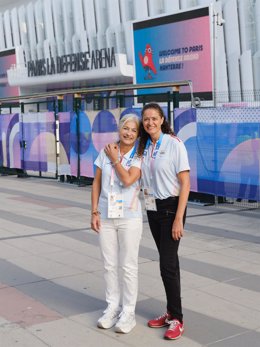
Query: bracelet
point(116, 162)
point(95, 213)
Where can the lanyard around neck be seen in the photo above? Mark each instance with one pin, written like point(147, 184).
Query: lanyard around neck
point(128, 163)
point(156, 148)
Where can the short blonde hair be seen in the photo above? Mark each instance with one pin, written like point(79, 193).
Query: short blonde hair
point(127, 118)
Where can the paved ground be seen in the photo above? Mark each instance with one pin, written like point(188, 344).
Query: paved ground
point(51, 277)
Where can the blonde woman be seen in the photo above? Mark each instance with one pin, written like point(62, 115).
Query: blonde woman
point(117, 218)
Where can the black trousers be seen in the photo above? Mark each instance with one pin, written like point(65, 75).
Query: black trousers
point(160, 223)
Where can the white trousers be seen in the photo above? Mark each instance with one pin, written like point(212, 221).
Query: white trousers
point(119, 242)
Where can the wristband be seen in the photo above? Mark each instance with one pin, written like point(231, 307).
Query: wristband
point(95, 213)
point(116, 162)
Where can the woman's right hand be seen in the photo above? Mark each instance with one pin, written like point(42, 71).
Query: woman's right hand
point(95, 222)
point(111, 151)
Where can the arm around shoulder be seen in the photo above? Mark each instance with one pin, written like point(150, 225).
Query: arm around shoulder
point(128, 177)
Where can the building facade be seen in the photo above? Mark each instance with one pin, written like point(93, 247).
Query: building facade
point(58, 35)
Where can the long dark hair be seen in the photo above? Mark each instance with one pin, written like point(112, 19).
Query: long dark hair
point(143, 135)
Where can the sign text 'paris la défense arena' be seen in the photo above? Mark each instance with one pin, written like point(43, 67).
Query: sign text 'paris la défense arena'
point(82, 61)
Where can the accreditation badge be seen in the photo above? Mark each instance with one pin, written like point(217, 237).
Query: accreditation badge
point(115, 205)
point(149, 200)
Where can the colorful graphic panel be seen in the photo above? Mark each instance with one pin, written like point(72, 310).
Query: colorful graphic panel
point(165, 50)
point(223, 145)
point(228, 152)
point(10, 155)
point(38, 131)
point(97, 128)
point(130, 110)
point(64, 143)
point(87, 150)
point(185, 127)
point(74, 145)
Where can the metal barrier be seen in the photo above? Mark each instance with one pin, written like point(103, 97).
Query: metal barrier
point(57, 103)
point(54, 101)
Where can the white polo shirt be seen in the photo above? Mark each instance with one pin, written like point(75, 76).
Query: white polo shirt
point(132, 204)
point(160, 173)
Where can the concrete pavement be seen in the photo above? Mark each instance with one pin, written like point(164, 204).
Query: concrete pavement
point(51, 275)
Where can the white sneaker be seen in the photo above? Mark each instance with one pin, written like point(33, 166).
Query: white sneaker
point(126, 322)
point(109, 319)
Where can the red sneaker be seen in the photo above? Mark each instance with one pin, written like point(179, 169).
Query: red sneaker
point(175, 330)
point(159, 322)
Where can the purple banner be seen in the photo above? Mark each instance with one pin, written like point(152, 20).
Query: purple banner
point(39, 153)
point(64, 143)
point(185, 127)
point(10, 141)
point(228, 152)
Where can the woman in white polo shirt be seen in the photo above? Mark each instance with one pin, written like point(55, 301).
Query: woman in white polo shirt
point(117, 218)
point(166, 185)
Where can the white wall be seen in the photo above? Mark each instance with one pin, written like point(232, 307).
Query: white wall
point(10, 4)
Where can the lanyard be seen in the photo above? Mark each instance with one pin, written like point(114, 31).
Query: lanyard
point(153, 155)
point(155, 149)
point(128, 163)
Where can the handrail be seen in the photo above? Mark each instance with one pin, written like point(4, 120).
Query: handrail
point(99, 89)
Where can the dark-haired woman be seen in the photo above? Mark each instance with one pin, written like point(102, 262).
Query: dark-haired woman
point(166, 183)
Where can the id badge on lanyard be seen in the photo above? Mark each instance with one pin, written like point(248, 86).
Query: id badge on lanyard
point(149, 199)
point(115, 205)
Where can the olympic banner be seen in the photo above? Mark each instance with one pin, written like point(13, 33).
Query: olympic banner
point(10, 155)
point(223, 147)
point(175, 48)
point(64, 143)
point(185, 127)
point(96, 129)
point(228, 152)
point(37, 131)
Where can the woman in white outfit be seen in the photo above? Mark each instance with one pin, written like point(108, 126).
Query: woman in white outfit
point(117, 218)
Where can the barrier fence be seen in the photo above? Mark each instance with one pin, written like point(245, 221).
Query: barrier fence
point(223, 143)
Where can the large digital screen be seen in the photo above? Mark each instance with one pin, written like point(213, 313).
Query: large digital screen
point(175, 48)
point(7, 59)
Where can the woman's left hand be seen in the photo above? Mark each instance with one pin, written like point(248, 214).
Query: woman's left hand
point(111, 151)
point(177, 229)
